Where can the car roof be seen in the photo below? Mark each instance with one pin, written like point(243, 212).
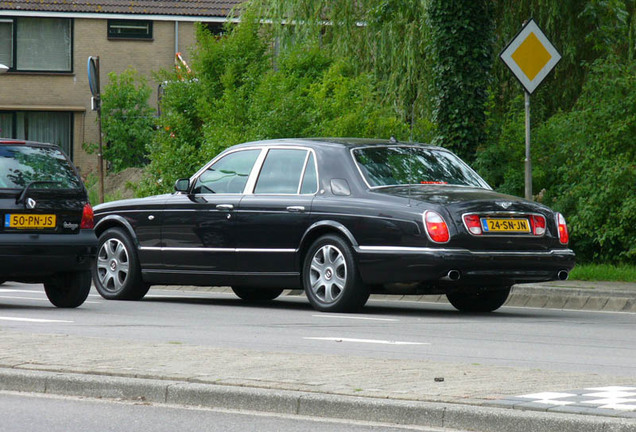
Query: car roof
point(349, 143)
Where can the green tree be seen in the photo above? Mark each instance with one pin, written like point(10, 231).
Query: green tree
point(384, 38)
point(127, 119)
point(175, 149)
point(587, 162)
point(461, 51)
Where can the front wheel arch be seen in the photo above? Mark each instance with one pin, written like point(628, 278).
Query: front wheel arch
point(116, 221)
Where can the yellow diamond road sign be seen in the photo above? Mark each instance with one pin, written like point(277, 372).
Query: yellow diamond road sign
point(530, 56)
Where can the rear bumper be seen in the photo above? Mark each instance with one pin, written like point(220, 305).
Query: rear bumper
point(405, 265)
point(32, 257)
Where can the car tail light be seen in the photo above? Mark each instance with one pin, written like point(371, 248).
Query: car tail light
point(436, 227)
point(88, 221)
point(538, 225)
point(473, 224)
point(564, 236)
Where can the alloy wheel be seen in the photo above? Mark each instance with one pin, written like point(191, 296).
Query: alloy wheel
point(328, 274)
point(113, 265)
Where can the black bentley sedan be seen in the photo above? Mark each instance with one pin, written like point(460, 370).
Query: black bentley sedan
point(46, 234)
point(339, 218)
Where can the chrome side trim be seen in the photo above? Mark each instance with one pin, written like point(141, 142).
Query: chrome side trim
point(199, 249)
point(217, 273)
point(256, 250)
point(417, 250)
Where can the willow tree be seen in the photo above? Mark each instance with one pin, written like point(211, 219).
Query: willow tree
point(387, 38)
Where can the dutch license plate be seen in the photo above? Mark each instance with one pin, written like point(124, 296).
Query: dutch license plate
point(495, 225)
point(29, 221)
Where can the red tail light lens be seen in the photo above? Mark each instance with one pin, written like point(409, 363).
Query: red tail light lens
point(88, 221)
point(436, 227)
point(473, 224)
point(538, 225)
point(564, 236)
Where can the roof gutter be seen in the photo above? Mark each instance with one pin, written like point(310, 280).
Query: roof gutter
point(182, 18)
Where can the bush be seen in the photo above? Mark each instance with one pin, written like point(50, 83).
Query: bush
point(588, 168)
point(243, 92)
point(127, 120)
point(175, 150)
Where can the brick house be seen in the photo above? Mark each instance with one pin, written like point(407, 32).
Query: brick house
point(45, 96)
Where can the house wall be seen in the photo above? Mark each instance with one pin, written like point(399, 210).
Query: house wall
point(70, 92)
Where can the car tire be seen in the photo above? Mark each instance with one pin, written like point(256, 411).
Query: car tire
point(116, 272)
point(330, 276)
point(68, 290)
point(251, 294)
point(481, 301)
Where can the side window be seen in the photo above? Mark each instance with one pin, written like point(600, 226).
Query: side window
point(310, 179)
point(229, 174)
point(281, 172)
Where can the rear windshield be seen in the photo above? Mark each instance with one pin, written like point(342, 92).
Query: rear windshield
point(401, 165)
point(21, 165)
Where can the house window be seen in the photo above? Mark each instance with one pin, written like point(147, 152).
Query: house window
point(216, 28)
point(44, 126)
point(129, 29)
point(6, 42)
point(36, 44)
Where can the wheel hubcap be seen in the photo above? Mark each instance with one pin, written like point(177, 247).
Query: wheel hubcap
point(328, 274)
point(112, 265)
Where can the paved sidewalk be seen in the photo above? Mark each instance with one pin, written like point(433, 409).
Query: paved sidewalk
point(434, 394)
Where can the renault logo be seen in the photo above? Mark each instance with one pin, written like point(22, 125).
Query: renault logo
point(30, 203)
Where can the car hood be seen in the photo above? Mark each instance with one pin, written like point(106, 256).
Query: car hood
point(463, 199)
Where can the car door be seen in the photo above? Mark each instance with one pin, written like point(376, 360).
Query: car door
point(273, 218)
point(198, 231)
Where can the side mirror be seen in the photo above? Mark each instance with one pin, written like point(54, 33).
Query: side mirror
point(182, 185)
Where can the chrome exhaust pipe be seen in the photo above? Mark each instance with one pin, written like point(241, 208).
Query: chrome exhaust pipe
point(563, 275)
point(453, 275)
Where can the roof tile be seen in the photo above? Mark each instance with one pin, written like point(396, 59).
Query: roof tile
point(207, 8)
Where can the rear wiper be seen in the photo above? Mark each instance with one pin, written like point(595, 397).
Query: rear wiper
point(22, 195)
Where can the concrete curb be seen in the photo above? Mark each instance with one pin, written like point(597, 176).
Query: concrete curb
point(530, 295)
point(426, 414)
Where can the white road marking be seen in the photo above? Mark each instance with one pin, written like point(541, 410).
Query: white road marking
point(353, 317)
point(34, 320)
point(370, 341)
point(39, 299)
point(175, 296)
point(6, 290)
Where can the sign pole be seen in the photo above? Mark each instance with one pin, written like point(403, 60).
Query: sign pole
point(100, 154)
point(528, 161)
point(93, 83)
point(530, 56)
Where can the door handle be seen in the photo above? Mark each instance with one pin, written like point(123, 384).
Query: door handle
point(224, 207)
point(296, 209)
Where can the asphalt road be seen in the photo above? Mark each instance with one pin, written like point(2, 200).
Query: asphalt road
point(36, 413)
point(554, 340)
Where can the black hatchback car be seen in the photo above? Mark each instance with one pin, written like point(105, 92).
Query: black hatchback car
point(339, 218)
point(47, 222)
